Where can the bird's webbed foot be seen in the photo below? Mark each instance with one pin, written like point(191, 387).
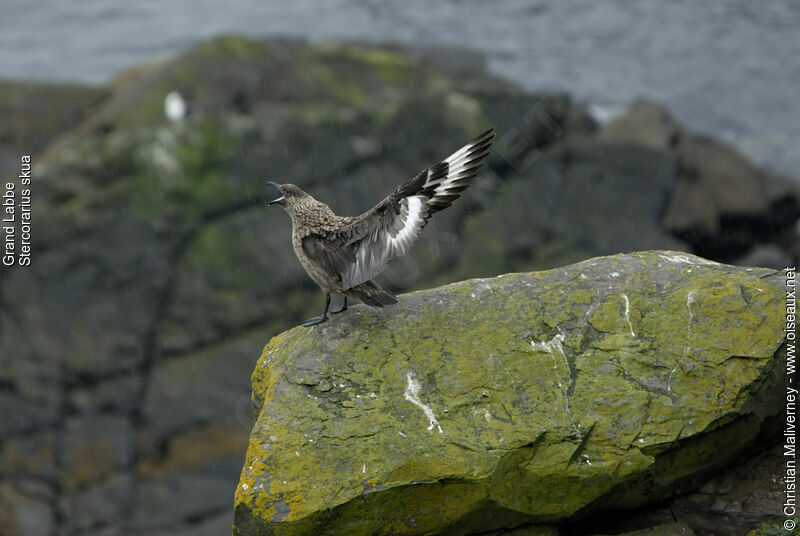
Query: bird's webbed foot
point(319, 319)
point(322, 317)
point(342, 308)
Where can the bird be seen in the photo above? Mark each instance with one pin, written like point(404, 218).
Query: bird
point(343, 254)
point(175, 107)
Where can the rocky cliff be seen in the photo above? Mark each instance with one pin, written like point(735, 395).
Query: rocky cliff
point(529, 399)
point(158, 273)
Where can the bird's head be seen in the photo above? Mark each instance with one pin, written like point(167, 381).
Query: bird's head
point(290, 195)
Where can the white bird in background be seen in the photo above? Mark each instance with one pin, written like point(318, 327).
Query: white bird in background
point(175, 108)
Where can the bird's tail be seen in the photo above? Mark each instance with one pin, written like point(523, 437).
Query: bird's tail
point(372, 294)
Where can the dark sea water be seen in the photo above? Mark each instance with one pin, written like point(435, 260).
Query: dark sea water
point(727, 67)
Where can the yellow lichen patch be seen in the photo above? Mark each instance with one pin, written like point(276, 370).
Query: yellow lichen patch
point(261, 379)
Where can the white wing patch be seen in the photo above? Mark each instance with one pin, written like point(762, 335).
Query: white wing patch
point(374, 252)
point(412, 215)
point(395, 232)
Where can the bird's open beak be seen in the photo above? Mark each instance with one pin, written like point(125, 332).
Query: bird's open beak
point(276, 186)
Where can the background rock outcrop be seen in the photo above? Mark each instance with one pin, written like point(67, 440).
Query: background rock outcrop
point(721, 204)
point(158, 273)
point(543, 397)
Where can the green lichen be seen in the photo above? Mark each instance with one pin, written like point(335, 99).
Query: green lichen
point(390, 67)
point(180, 171)
point(230, 47)
point(609, 382)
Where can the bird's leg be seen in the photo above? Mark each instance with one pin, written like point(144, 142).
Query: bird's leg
point(342, 308)
point(319, 319)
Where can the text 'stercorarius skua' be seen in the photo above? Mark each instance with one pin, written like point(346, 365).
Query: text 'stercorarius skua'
point(343, 254)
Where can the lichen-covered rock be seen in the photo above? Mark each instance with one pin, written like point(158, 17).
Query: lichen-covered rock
point(524, 399)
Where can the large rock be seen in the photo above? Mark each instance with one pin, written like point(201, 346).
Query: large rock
point(643, 123)
point(527, 399)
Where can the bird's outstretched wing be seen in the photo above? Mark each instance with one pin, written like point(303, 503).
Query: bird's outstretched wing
point(361, 250)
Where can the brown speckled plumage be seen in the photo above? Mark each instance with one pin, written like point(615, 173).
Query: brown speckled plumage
point(343, 254)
